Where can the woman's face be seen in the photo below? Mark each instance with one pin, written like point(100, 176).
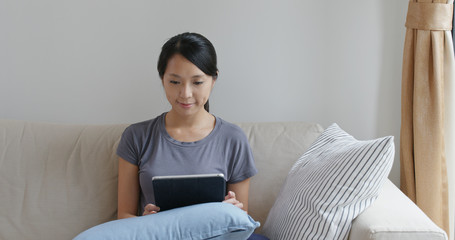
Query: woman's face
point(187, 87)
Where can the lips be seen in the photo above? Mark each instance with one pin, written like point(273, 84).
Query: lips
point(186, 105)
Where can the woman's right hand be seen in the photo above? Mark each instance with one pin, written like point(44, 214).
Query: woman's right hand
point(150, 209)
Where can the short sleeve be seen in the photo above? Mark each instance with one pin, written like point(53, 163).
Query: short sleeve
point(243, 166)
point(128, 146)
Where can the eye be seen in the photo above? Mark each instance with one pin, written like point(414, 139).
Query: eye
point(197, 83)
point(173, 82)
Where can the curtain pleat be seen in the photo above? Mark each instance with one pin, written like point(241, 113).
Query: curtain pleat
point(449, 94)
point(422, 142)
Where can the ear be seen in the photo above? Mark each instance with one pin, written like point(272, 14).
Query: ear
point(216, 76)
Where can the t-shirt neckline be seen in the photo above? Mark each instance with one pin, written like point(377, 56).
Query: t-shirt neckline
point(168, 137)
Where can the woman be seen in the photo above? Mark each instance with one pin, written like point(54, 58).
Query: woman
point(187, 139)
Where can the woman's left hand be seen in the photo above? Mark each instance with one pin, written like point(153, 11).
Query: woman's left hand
point(230, 198)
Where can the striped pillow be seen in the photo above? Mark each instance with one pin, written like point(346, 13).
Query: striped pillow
point(333, 182)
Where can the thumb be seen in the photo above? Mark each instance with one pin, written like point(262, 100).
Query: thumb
point(231, 194)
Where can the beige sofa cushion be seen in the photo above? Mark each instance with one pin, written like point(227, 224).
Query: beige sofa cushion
point(394, 216)
point(56, 180)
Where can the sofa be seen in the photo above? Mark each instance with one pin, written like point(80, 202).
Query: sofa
point(57, 180)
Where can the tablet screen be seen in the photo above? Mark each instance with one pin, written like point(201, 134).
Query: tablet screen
point(184, 190)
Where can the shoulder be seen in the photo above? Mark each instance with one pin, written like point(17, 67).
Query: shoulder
point(143, 124)
point(143, 127)
point(231, 130)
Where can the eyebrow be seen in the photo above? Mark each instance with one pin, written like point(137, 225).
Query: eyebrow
point(198, 76)
point(178, 76)
point(174, 75)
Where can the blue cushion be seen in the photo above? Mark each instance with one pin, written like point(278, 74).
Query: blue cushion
point(202, 221)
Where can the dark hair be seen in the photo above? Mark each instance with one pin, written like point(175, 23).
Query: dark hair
point(194, 47)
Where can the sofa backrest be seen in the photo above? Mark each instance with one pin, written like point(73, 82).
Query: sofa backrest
point(57, 180)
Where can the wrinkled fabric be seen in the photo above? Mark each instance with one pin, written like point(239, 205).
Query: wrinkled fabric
point(422, 146)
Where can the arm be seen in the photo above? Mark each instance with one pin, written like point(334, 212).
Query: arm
point(128, 189)
point(240, 190)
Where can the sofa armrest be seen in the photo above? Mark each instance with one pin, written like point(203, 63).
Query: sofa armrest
point(394, 216)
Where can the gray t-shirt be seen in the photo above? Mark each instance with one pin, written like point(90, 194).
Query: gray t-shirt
point(148, 145)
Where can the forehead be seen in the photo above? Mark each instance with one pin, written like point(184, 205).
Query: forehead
point(180, 66)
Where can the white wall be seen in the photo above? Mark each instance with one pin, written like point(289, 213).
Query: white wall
point(94, 61)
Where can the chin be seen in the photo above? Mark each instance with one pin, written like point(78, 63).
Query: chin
point(188, 112)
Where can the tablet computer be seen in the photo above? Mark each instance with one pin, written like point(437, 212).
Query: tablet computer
point(184, 190)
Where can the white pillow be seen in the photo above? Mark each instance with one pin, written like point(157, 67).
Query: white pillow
point(333, 182)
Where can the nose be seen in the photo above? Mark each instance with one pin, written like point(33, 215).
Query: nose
point(186, 91)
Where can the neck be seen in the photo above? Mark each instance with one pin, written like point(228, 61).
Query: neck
point(197, 120)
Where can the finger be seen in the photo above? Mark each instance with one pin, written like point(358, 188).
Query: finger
point(234, 202)
point(231, 201)
point(150, 208)
point(230, 195)
point(148, 213)
point(227, 196)
point(239, 205)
